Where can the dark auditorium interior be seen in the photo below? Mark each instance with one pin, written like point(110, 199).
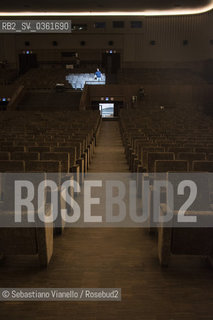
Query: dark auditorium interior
point(99, 89)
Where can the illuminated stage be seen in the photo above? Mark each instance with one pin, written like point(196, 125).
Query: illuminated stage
point(78, 80)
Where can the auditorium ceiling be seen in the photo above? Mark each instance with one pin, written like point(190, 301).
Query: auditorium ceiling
point(146, 6)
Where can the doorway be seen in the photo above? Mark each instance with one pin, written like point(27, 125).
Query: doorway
point(106, 110)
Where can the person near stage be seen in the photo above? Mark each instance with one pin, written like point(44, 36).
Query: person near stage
point(98, 75)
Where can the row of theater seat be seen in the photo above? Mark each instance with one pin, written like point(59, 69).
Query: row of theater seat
point(159, 76)
point(171, 141)
point(41, 78)
point(44, 143)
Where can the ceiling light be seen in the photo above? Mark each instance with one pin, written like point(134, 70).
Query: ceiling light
point(171, 12)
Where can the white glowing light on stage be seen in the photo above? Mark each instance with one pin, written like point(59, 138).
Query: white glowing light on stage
point(172, 12)
point(79, 80)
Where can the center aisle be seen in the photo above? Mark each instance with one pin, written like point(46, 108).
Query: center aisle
point(109, 153)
